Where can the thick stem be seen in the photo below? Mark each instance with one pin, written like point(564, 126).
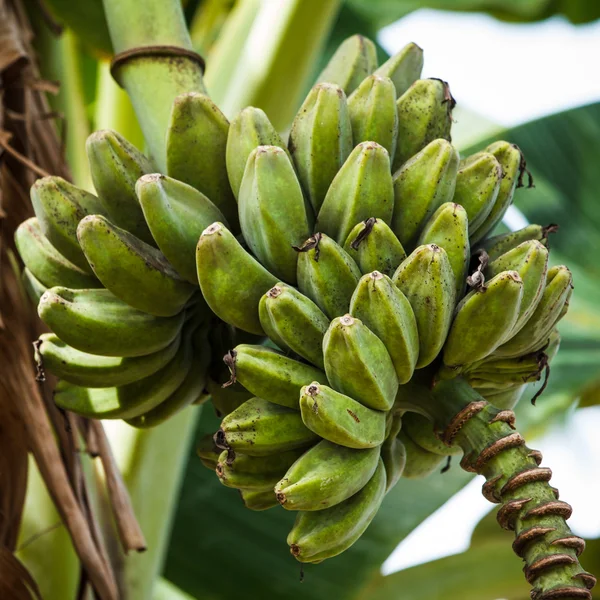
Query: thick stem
point(530, 506)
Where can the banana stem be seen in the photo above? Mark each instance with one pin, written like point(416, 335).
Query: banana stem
point(514, 479)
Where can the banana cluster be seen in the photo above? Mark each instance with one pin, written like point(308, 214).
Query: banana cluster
point(334, 270)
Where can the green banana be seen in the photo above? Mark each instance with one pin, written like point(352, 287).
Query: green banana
point(420, 430)
point(326, 274)
point(294, 322)
point(500, 244)
point(208, 452)
point(422, 184)
point(511, 160)
point(361, 189)
point(355, 58)
point(196, 146)
point(248, 130)
point(358, 364)
point(320, 140)
point(226, 400)
point(34, 288)
point(340, 419)
point(269, 374)
point(420, 463)
point(482, 319)
point(374, 247)
point(373, 114)
point(384, 309)
point(132, 270)
point(115, 166)
point(320, 534)
point(427, 281)
point(259, 427)
point(177, 214)
point(273, 214)
point(477, 186)
point(326, 475)
point(393, 453)
point(505, 399)
point(97, 322)
point(424, 114)
point(232, 281)
point(449, 228)
point(258, 500)
point(59, 206)
point(403, 68)
point(45, 262)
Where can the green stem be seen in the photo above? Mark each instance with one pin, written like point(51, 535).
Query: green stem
point(514, 479)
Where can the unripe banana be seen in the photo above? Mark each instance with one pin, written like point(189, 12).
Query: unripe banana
point(424, 114)
point(294, 322)
point(132, 270)
point(45, 262)
point(420, 463)
point(273, 214)
point(115, 166)
point(59, 206)
point(500, 244)
point(196, 144)
point(361, 189)
point(177, 214)
point(222, 262)
point(248, 130)
point(477, 186)
point(97, 322)
point(326, 475)
point(482, 319)
point(320, 140)
point(393, 453)
point(505, 399)
point(403, 68)
point(427, 281)
point(208, 452)
point(340, 419)
point(423, 184)
point(355, 58)
point(420, 430)
point(373, 113)
point(270, 374)
point(511, 160)
point(375, 247)
point(358, 364)
point(384, 309)
point(326, 274)
point(258, 500)
point(321, 534)
point(259, 427)
point(226, 400)
point(34, 288)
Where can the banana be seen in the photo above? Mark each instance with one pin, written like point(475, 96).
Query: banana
point(259, 427)
point(208, 452)
point(273, 214)
point(384, 309)
point(361, 189)
point(424, 114)
point(393, 453)
point(232, 281)
point(317, 535)
point(196, 146)
point(34, 288)
point(373, 114)
point(45, 262)
point(500, 244)
point(374, 247)
point(420, 463)
point(477, 186)
point(482, 319)
point(326, 475)
point(269, 374)
point(511, 160)
point(226, 400)
point(115, 166)
point(424, 183)
point(355, 58)
point(97, 322)
point(340, 419)
point(320, 140)
point(427, 281)
point(248, 130)
point(506, 399)
point(258, 500)
point(177, 214)
point(358, 364)
point(132, 270)
point(294, 322)
point(530, 261)
point(59, 206)
point(449, 228)
point(326, 274)
point(420, 430)
point(403, 68)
